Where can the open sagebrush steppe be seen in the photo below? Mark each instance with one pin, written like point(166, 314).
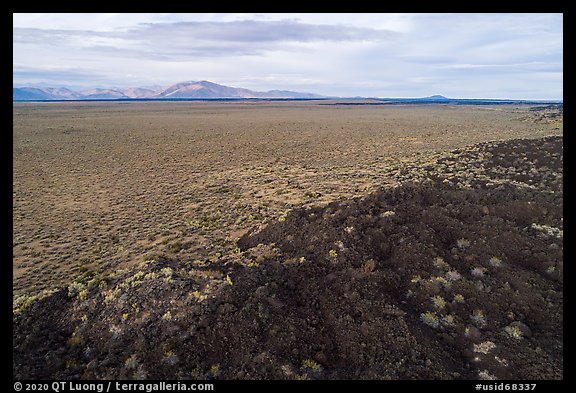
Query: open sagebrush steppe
point(109, 195)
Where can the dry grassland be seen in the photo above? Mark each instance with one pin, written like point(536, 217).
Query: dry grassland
point(102, 186)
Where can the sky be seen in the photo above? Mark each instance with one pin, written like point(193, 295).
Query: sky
point(517, 56)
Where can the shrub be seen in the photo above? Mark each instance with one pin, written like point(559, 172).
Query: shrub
point(170, 357)
point(196, 373)
point(166, 271)
point(513, 332)
point(478, 272)
point(430, 319)
point(463, 243)
point(449, 320)
point(76, 339)
point(131, 362)
point(438, 302)
point(23, 302)
point(388, 213)
point(215, 370)
point(486, 376)
point(82, 295)
point(70, 364)
point(495, 262)
point(310, 365)
point(453, 275)
point(440, 263)
point(484, 347)
point(478, 318)
point(458, 298)
point(445, 283)
point(75, 288)
point(115, 330)
point(547, 231)
point(199, 296)
point(416, 279)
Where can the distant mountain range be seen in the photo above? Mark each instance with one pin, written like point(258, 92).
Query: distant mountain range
point(205, 90)
point(190, 89)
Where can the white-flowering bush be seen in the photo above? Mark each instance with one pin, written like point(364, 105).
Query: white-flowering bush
point(453, 275)
point(495, 262)
point(478, 318)
point(478, 272)
point(463, 243)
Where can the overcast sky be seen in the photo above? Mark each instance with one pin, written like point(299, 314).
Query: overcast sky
point(373, 55)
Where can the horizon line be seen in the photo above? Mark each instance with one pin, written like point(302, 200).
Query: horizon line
point(77, 89)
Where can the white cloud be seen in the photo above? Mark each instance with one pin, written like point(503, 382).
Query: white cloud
point(459, 55)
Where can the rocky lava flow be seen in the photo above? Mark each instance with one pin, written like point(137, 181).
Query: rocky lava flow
point(455, 275)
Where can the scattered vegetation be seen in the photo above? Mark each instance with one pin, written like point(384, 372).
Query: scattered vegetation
point(463, 243)
point(458, 298)
point(478, 318)
point(440, 263)
point(513, 332)
point(430, 319)
point(203, 225)
point(309, 364)
point(495, 262)
point(478, 272)
point(453, 275)
point(215, 370)
point(438, 302)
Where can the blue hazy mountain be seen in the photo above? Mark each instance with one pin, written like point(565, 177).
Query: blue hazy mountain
point(181, 90)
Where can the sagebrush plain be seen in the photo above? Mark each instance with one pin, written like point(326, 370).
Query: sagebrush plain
point(143, 230)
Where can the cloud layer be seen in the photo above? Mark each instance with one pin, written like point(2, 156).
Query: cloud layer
point(458, 55)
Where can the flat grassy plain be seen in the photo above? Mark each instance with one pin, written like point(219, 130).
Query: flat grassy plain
point(106, 185)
